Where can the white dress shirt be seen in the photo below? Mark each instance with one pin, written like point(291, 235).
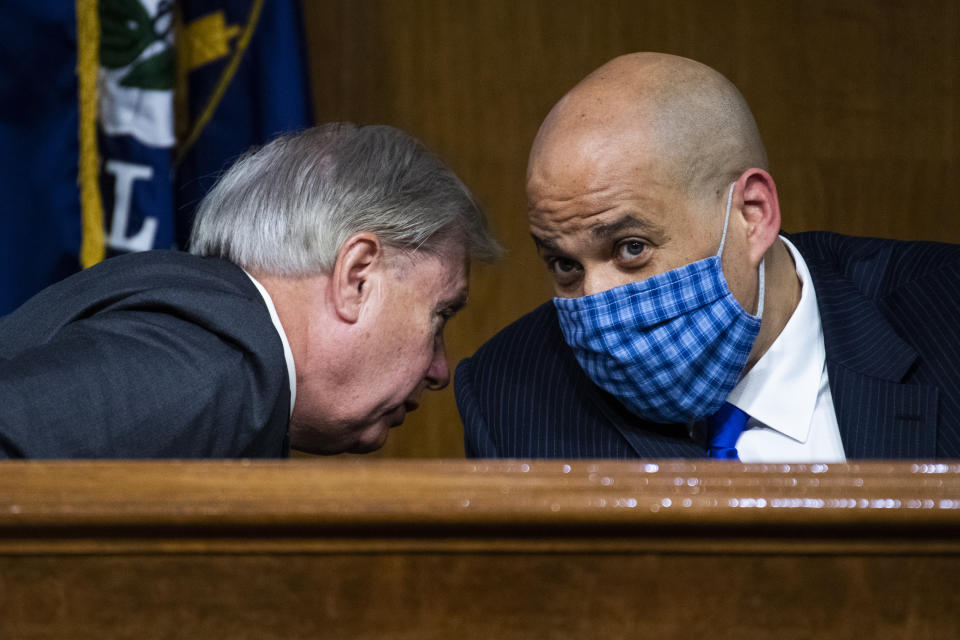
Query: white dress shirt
point(287, 353)
point(787, 393)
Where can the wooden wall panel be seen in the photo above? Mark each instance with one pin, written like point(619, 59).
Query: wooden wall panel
point(420, 596)
point(857, 100)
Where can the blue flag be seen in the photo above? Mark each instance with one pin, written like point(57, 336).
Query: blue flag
point(39, 148)
point(118, 115)
point(254, 89)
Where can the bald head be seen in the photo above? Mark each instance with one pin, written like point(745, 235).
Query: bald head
point(659, 112)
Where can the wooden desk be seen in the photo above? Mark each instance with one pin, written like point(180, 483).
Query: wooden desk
point(490, 549)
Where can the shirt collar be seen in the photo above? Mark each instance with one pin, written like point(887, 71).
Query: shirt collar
point(287, 352)
point(780, 391)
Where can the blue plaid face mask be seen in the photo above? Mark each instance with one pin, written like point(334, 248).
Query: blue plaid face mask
point(671, 347)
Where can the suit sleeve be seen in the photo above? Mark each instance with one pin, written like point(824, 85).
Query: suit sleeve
point(134, 384)
point(478, 442)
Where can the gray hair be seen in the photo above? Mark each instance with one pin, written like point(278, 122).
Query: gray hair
point(288, 207)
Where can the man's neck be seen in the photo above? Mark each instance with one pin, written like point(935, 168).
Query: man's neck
point(296, 301)
point(781, 293)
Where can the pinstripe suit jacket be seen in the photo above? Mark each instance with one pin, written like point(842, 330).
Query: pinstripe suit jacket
point(148, 355)
point(891, 324)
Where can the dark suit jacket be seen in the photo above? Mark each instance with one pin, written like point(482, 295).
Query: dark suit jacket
point(891, 325)
point(149, 355)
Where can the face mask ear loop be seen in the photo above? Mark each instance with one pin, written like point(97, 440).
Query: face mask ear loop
point(759, 313)
point(726, 219)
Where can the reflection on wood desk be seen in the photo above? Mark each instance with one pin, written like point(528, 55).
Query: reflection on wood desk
point(478, 549)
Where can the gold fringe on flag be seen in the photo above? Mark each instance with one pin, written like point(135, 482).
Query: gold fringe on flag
point(92, 247)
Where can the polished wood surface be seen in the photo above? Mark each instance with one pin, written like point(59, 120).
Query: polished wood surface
point(858, 100)
point(632, 497)
point(508, 549)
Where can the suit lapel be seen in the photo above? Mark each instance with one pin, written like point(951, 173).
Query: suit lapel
point(878, 415)
point(648, 439)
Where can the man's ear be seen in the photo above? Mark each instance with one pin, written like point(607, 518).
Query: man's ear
point(354, 274)
point(761, 211)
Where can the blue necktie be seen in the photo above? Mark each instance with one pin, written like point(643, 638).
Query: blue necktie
point(723, 429)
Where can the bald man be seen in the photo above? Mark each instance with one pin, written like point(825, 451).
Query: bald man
point(685, 323)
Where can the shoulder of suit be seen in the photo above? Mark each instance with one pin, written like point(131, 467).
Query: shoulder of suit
point(161, 265)
point(890, 264)
point(536, 327)
point(173, 285)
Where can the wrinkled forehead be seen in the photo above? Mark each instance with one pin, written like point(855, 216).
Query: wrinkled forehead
point(584, 222)
point(607, 196)
point(571, 186)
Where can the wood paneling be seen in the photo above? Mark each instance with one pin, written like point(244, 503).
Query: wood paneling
point(857, 99)
point(452, 549)
point(388, 596)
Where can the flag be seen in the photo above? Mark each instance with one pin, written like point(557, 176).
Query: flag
point(39, 147)
point(135, 126)
point(117, 115)
point(254, 88)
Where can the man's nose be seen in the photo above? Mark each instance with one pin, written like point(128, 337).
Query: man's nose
point(595, 282)
point(438, 375)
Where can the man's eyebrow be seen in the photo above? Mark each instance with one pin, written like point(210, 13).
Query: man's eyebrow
point(625, 223)
point(454, 304)
point(545, 243)
point(603, 231)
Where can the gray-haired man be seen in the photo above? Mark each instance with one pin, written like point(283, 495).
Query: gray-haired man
point(309, 315)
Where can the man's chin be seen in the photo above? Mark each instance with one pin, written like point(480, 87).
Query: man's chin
point(362, 445)
point(373, 438)
point(355, 440)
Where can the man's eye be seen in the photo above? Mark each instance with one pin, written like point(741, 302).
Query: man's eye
point(564, 270)
point(443, 316)
point(562, 265)
point(631, 250)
